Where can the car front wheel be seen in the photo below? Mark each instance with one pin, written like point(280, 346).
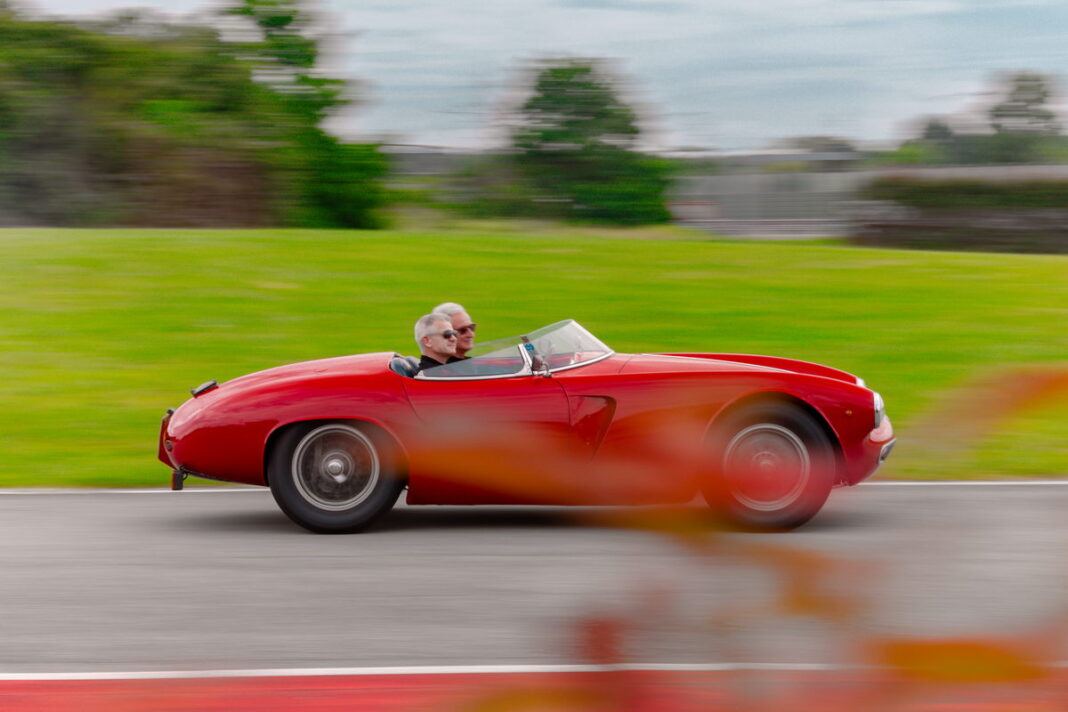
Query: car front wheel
point(771, 467)
point(333, 478)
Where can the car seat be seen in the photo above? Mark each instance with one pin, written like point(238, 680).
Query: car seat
point(404, 365)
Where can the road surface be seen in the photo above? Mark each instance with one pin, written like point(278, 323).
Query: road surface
point(214, 580)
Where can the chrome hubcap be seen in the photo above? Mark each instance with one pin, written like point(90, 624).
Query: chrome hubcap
point(335, 467)
point(766, 467)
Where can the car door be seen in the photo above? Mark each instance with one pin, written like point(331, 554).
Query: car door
point(642, 429)
point(492, 440)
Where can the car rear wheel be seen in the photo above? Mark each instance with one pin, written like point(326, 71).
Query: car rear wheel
point(333, 478)
point(771, 467)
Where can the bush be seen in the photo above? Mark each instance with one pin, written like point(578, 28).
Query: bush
point(970, 194)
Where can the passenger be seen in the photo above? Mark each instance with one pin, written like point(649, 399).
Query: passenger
point(436, 339)
point(461, 322)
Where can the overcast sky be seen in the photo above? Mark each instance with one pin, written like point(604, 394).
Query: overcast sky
point(723, 74)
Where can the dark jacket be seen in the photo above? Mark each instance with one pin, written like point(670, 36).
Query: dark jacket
point(426, 362)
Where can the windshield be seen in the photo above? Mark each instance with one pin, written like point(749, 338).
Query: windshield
point(558, 346)
point(566, 344)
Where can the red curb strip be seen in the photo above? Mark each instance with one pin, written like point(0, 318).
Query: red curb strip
point(593, 691)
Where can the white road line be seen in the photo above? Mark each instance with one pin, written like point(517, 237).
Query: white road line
point(425, 670)
point(440, 670)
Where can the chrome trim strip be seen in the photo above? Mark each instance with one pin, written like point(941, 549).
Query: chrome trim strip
point(526, 356)
point(521, 374)
point(879, 406)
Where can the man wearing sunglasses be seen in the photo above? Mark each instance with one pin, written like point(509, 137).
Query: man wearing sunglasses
point(436, 339)
point(461, 322)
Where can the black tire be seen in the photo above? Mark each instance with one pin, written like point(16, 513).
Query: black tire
point(771, 467)
point(333, 478)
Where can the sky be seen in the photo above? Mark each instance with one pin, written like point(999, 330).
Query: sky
point(726, 75)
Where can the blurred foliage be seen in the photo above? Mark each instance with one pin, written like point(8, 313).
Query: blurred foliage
point(978, 150)
point(1022, 130)
point(494, 187)
point(697, 166)
point(781, 167)
point(138, 121)
point(967, 214)
point(969, 193)
point(576, 143)
point(1024, 110)
point(913, 153)
point(574, 155)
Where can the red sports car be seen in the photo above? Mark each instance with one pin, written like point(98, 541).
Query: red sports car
point(550, 417)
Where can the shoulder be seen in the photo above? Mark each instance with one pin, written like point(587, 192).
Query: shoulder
point(427, 362)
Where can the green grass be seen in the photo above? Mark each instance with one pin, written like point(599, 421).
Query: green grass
point(102, 330)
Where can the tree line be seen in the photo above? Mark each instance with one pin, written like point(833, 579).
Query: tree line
point(1018, 127)
point(140, 121)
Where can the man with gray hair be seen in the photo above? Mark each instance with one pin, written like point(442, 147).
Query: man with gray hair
point(436, 339)
point(461, 322)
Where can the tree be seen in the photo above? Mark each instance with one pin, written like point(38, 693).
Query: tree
point(1024, 131)
point(575, 143)
point(328, 183)
point(937, 130)
point(138, 121)
point(574, 108)
point(1024, 109)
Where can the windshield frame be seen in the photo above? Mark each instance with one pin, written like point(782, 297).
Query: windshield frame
point(581, 331)
point(527, 348)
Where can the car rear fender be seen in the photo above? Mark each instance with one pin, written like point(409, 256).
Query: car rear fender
point(754, 399)
point(385, 433)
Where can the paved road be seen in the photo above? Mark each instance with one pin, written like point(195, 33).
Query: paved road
point(112, 581)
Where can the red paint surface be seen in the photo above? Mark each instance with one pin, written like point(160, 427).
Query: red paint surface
point(661, 408)
point(645, 691)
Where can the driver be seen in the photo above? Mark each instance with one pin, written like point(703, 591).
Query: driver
point(461, 322)
point(436, 339)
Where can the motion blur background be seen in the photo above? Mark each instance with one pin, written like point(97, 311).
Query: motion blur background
point(677, 175)
point(770, 121)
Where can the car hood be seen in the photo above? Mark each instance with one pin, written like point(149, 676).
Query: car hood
point(272, 380)
point(707, 362)
point(358, 365)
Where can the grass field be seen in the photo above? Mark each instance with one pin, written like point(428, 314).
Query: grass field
point(101, 331)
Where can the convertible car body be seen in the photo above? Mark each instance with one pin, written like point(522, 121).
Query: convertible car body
point(550, 417)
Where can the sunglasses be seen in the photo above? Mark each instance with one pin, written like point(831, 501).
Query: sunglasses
point(448, 333)
point(468, 328)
